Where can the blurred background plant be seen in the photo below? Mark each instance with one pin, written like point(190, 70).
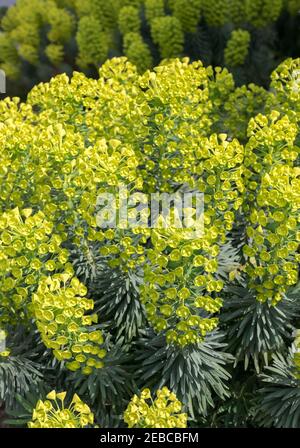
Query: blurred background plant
point(41, 38)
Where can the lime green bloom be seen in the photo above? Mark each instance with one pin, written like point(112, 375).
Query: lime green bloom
point(161, 412)
point(237, 47)
point(59, 307)
point(53, 413)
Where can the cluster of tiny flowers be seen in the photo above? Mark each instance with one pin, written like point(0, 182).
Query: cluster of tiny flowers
point(260, 13)
point(134, 46)
point(181, 278)
point(237, 48)
point(190, 96)
point(156, 132)
point(93, 42)
point(272, 206)
point(53, 413)
point(59, 306)
point(242, 104)
point(129, 20)
point(154, 8)
point(29, 250)
point(237, 11)
point(285, 88)
point(178, 299)
point(216, 13)
point(162, 412)
point(273, 258)
point(188, 12)
point(23, 24)
point(167, 33)
point(137, 51)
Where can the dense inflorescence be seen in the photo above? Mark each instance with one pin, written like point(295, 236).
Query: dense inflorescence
point(137, 51)
point(261, 12)
point(162, 412)
point(79, 148)
point(215, 16)
point(237, 48)
point(181, 278)
point(167, 33)
point(29, 251)
point(21, 26)
point(93, 43)
point(52, 413)
point(59, 308)
point(141, 412)
point(189, 14)
point(272, 162)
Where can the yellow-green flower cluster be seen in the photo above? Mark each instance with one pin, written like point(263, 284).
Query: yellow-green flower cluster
point(258, 13)
point(215, 13)
point(273, 259)
point(262, 12)
point(162, 412)
point(285, 87)
point(137, 51)
point(105, 11)
point(55, 53)
point(66, 176)
point(129, 20)
point(153, 9)
point(236, 12)
point(60, 22)
point(237, 47)
point(59, 306)
point(97, 24)
point(93, 42)
point(138, 130)
point(29, 250)
point(176, 124)
point(53, 413)
point(273, 205)
point(142, 412)
point(167, 34)
point(181, 278)
point(10, 62)
point(272, 161)
point(75, 139)
point(23, 25)
point(179, 123)
point(60, 171)
point(242, 104)
point(189, 13)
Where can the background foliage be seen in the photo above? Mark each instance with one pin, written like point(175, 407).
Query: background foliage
point(41, 38)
